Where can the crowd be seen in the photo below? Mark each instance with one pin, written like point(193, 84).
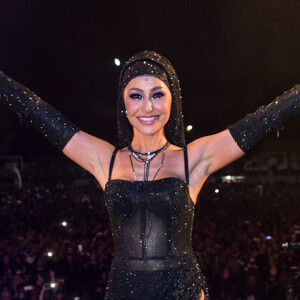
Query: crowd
point(56, 242)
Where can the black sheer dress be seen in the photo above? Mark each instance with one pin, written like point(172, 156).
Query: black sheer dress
point(152, 224)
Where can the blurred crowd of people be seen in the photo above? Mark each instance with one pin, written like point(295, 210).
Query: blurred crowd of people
point(56, 242)
point(238, 237)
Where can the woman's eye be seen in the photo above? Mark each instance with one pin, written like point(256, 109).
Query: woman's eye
point(135, 96)
point(158, 95)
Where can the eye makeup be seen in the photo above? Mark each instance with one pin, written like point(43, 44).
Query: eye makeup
point(135, 96)
point(158, 95)
point(138, 96)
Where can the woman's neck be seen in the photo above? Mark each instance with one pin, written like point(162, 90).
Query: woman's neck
point(144, 143)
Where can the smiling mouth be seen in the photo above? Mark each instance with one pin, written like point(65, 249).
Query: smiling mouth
point(148, 119)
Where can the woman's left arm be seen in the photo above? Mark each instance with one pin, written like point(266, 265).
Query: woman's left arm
point(216, 151)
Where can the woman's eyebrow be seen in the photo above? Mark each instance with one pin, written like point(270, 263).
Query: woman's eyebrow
point(141, 90)
point(137, 89)
point(156, 88)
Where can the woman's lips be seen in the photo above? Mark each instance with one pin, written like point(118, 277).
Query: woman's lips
point(147, 119)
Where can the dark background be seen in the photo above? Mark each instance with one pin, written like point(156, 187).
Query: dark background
point(231, 56)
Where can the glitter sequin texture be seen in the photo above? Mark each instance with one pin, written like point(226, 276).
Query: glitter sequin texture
point(41, 115)
point(153, 64)
point(255, 127)
point(151, 224)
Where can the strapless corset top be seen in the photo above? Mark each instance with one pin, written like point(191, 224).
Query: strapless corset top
point(151, 220)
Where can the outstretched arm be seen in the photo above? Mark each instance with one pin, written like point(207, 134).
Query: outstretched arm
point(216, 151)
point(60, 131)
point(51, 123)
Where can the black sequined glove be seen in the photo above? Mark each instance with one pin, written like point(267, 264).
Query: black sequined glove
point(46, 119)
point(252, 129)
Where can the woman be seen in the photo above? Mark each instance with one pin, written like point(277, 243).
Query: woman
point(152, 180)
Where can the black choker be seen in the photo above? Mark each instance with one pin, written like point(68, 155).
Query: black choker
point(150, 155)
point(146, 160)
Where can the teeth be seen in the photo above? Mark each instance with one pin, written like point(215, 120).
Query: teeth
point(147, 119)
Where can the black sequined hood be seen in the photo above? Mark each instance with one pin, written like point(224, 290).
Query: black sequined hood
point(152, 64)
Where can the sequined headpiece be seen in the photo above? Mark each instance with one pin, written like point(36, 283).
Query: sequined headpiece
point(152, 64)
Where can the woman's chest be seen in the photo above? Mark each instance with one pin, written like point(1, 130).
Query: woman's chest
point(166, 197)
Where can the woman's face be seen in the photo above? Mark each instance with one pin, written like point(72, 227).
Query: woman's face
point(148, 104)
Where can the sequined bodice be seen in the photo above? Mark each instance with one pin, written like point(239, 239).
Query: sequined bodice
point(151, 221)
point(152, 225)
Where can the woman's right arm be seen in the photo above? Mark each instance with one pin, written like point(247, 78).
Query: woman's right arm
point(79, 146)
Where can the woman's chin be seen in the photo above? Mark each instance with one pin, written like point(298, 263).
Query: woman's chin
point(149, 130)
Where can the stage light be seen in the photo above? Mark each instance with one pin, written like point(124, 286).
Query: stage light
point(117, 62)
point(50, 254)
point(217, 191)
point(64, 223)
point(189, 128)
point(53, 285)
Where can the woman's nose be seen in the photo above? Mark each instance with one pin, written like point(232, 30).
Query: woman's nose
point(148, 105)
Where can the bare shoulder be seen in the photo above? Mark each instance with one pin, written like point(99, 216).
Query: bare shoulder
point(174, 154)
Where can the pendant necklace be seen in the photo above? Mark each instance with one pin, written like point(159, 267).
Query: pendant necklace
point(146, 160)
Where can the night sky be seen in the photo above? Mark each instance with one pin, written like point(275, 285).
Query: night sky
point(231, 57)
